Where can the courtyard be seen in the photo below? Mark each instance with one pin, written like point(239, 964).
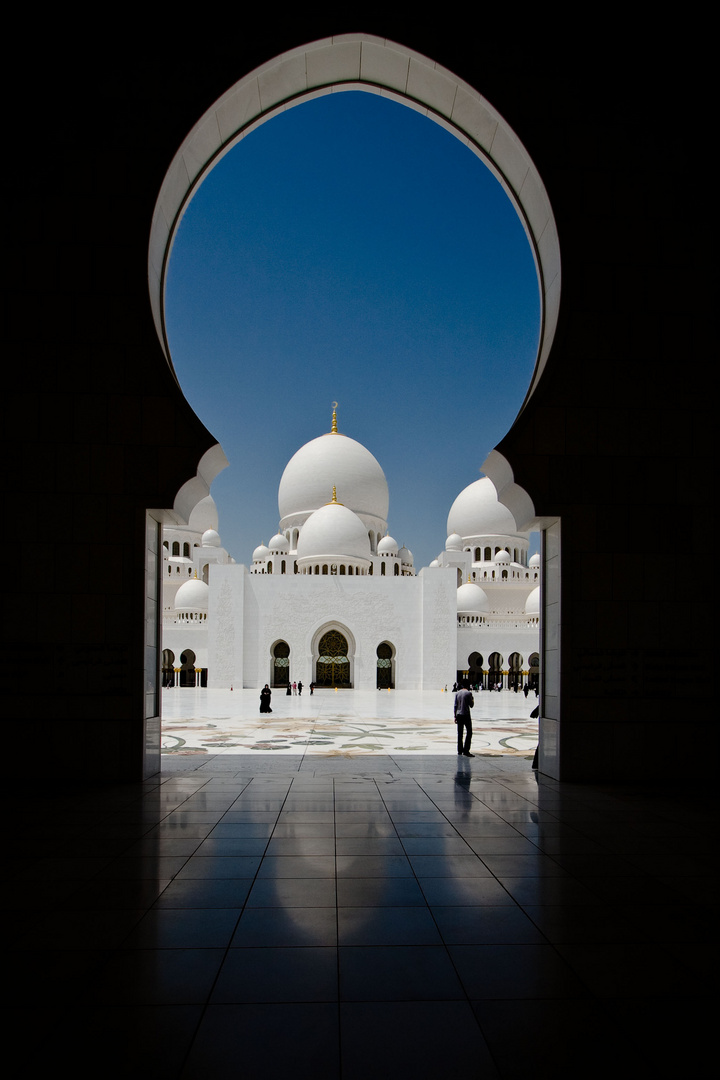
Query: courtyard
point(205, 728)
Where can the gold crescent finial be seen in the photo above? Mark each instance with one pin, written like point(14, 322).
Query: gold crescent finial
point(334, 429)
point(334, 498)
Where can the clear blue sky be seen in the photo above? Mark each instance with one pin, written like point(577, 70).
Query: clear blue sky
point(352, 250)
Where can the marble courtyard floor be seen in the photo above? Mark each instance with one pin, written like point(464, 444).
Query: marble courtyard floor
point(208, 724)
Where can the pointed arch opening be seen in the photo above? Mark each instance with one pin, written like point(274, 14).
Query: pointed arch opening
point(334, 657)
point(374, 65)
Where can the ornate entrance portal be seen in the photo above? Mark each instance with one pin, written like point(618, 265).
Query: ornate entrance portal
point(333, 663)
point(281, 664)
point(385, 666)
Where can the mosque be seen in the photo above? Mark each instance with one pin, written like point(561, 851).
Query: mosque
point(334, 600)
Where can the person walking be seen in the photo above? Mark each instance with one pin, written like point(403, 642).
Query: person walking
point(464, 701)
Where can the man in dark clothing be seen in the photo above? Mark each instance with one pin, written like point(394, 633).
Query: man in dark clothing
point(464, 701)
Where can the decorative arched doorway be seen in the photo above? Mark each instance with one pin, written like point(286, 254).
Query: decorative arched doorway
point(333, 666)
point(385, 666)
point(534, 673)
point(168, 668)
point(515, 671)
point(495, 672)
point(281, 663)
point(187, 668)
point(475, 671)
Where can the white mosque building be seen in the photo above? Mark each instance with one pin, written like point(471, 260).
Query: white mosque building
point(333, 600)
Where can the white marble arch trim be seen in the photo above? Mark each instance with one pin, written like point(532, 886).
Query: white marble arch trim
point(364, 62)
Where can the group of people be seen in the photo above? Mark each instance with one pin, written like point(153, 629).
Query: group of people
point(292, 688)
point(475, 687)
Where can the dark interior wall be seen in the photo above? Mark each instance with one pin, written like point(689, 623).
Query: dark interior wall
point(615, 440)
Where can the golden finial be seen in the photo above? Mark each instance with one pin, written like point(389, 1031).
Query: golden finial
point(334, 498)
point(333, 429)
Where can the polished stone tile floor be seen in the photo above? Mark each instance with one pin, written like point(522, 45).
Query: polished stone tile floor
point(352, 916)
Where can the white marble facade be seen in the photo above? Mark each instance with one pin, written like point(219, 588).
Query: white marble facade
point(333, 566)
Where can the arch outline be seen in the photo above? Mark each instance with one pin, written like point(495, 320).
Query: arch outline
point(375, 65)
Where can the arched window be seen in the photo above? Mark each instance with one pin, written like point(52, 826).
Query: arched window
point(176, 548)
point(186, 551)
point(397, 570)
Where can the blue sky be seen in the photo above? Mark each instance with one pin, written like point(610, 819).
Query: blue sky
point(351, 250)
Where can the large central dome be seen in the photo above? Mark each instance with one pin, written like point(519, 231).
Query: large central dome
point(333, 460)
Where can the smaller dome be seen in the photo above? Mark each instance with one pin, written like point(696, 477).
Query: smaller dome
point(333, 531)
point(502, 556)
point(472, 599)
point(434, 563)
point(260, 552)
point(454, 542)
point(534, 559)
point(279, 542)
point(210, 538)
point(387, 546)
point(532, 604)
point(192, 596)
point(406, 555)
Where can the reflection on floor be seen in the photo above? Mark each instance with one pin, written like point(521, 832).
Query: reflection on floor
point(352, 916)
